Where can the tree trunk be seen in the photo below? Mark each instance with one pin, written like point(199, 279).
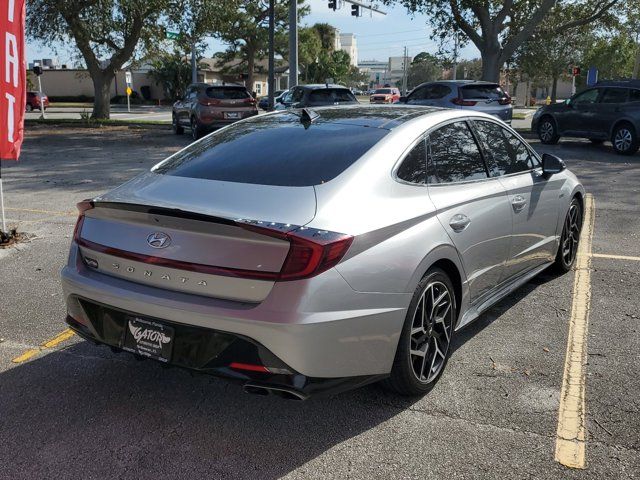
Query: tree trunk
point(636, 67)
point(102, 94)
point(554, 89)
point(251, 60)
point(491, 65)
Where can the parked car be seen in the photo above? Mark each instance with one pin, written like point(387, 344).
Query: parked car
point(608, 111)
point(263, 103)
point(36, 102)
point(259, 253)
point(385, 95)
point(206, 106)
point(315, 95)
point(486, 97)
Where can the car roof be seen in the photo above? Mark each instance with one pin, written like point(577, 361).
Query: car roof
point(619, 83)
point(372, 116)
point(314, 86)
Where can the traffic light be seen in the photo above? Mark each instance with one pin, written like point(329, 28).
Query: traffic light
point(37, 69)
point(575, 71)
point(355, 10)
point(333, 4)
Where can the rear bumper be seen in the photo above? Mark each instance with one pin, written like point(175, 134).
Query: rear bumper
point(217, 119)
point(320, 328)
point(213, 352)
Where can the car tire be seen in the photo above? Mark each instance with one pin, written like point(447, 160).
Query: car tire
point(596, 141)
point(196, 130)
point(425, 340)
point(625, 139)
point(177, 128)
point(547, 131)
point(570, 238)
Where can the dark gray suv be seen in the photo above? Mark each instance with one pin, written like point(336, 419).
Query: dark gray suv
point(607, 111)
point(316, 95)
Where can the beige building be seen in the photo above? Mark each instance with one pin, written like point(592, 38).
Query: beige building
point(70, 83)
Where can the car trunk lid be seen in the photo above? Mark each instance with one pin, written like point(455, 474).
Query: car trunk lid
point(190, 235)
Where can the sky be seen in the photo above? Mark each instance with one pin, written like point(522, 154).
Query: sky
point(378, 36)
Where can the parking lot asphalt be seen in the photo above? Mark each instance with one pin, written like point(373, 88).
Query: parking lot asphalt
point(73, 410)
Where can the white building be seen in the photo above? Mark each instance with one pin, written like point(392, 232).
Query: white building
point(348, 44)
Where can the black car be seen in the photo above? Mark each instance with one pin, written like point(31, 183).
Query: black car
point(607, 111)
point(316, 96)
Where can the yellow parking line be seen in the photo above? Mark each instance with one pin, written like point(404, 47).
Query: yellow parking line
point(615, 257)
point(46, 212)
point(58, 339)
point(572, 429)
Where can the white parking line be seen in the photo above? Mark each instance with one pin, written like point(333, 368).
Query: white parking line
point(572, 428)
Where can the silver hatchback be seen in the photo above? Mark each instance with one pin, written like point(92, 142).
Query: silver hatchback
point(311, 251)
point(485, 97)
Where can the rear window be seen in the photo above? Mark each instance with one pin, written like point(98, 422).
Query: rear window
point(227, 93)
point(384, 90)
point(276, 150)
point(331, 95)
point(483, 92)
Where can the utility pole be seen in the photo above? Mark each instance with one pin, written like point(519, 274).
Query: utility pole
point(272, 79)
point(293, 43)
point(405, 60)
point(194, 66)
point(455, 58)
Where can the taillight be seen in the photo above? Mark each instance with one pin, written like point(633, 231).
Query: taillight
point(505, 100)
point(462, 102)
point(311, 251)
point(83, 206)
point(251, 101)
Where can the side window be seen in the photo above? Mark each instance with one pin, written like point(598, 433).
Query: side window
point(453, 155)
point(634, 95)
point(589, 96)
point(439, 91)
point(419, 94)
point(614, 95)
point(297, 95)
point(505, 153)
point(414, 166)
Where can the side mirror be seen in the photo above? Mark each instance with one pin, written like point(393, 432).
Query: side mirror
point(403, 99)
point(552, 164)
point(567, 102)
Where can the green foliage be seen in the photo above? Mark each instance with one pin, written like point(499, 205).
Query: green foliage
point(173, 72)
point(246, 30)
point(613, 56)
point(424, 68)
point(499, 27)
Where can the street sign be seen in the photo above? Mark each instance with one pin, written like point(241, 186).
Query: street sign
point(129, 91)
point(575, 71)
point(172, 35)
point(592, 76)
point(127, 77)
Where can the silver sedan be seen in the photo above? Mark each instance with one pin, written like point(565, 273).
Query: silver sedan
point(313, 251)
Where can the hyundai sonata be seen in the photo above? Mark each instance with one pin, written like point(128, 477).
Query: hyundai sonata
point(312, 251)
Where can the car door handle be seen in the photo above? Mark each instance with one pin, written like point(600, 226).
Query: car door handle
point(518, 202)
point(459, 222)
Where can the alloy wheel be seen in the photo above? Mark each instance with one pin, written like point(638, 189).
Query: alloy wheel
point(571, 234)
point(546, 131)
point(623, 139)
point(431, 330)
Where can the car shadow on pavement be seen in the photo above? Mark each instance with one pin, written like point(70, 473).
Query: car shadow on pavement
point(84, 412)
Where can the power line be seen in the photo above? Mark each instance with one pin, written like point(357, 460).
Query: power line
point(390, 33)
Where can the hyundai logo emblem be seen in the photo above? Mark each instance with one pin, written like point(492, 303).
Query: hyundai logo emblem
point(159, 240)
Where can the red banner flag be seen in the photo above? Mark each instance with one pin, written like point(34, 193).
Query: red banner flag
point(13, 78)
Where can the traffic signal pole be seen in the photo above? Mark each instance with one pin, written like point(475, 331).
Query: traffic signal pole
point(293, 43)
point(272, 80)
